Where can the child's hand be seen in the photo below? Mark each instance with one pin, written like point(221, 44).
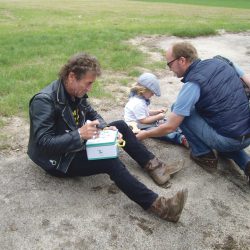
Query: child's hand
point(157, 111)
point(160, 116)
point(162, 110)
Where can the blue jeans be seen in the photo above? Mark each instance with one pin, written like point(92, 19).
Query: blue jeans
point(174, 137)
point(203, 138)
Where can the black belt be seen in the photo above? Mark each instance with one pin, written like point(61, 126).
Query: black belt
point(243, 137)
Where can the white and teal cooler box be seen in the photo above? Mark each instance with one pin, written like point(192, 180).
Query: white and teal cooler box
point(103, 147)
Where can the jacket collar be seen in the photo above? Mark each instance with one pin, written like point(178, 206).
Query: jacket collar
point(62, 98)
point(193, 65)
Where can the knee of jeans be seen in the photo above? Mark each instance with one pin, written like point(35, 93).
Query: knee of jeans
point(120, 124)
point(114, 167)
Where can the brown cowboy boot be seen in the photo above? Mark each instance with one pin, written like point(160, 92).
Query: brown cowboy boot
point(160, 172)
point(170, 208)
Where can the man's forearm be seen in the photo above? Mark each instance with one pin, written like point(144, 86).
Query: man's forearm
point(171, 125)
point(160, 131)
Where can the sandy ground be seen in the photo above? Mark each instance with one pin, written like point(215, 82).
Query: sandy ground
point(42, 212)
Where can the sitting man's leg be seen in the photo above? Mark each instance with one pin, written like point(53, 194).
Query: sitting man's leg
point(167, 208)
point(241, 158)
point(159, 171)
point(201, 153)
point(203, 139)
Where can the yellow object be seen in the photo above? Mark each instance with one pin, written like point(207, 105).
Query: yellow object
point(121, 143)
point(133, 127)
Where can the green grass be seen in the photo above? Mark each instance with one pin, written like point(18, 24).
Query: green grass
point(2, 123)
point(244, 4)
point(37, 37)
point(125, 81)
point(4, 142)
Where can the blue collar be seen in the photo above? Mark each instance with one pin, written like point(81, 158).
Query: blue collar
point(189, 69)
point(134, 94)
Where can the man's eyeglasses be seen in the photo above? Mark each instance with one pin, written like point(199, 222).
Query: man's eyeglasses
point(171, 62)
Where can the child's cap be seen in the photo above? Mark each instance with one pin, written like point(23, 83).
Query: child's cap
point(150, 82)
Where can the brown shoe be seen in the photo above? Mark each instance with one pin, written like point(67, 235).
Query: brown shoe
point(247, 172)
point(170, 208)
point(160, 172)
point(209, 163)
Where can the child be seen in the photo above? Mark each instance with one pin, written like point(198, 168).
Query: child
point(137, 109)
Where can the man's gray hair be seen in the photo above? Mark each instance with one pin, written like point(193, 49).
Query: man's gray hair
point(80, 64)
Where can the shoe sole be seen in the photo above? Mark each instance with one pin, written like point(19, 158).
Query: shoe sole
point(183, 200)
point(160, 183)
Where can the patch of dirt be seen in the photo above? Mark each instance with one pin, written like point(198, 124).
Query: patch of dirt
point(148, 45)
point(229, 243)
point(13, 136)
point(142, 223)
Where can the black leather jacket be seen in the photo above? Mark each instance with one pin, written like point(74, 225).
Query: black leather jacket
point(54, 137)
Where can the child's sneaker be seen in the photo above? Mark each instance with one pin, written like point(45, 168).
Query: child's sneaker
point(184, 141)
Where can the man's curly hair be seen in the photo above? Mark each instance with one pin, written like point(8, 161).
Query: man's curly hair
point(80, 64)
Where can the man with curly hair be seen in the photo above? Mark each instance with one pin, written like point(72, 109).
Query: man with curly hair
point(59, 131)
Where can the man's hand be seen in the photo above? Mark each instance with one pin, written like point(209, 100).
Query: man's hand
point(141, 135)
point(89, 130)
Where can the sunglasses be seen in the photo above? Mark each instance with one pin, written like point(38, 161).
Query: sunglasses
point(171, 62)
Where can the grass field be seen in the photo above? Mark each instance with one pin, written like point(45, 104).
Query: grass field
point(244, 4)
point(38, 36)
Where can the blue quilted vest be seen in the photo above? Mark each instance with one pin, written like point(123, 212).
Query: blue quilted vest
point(223, 102)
